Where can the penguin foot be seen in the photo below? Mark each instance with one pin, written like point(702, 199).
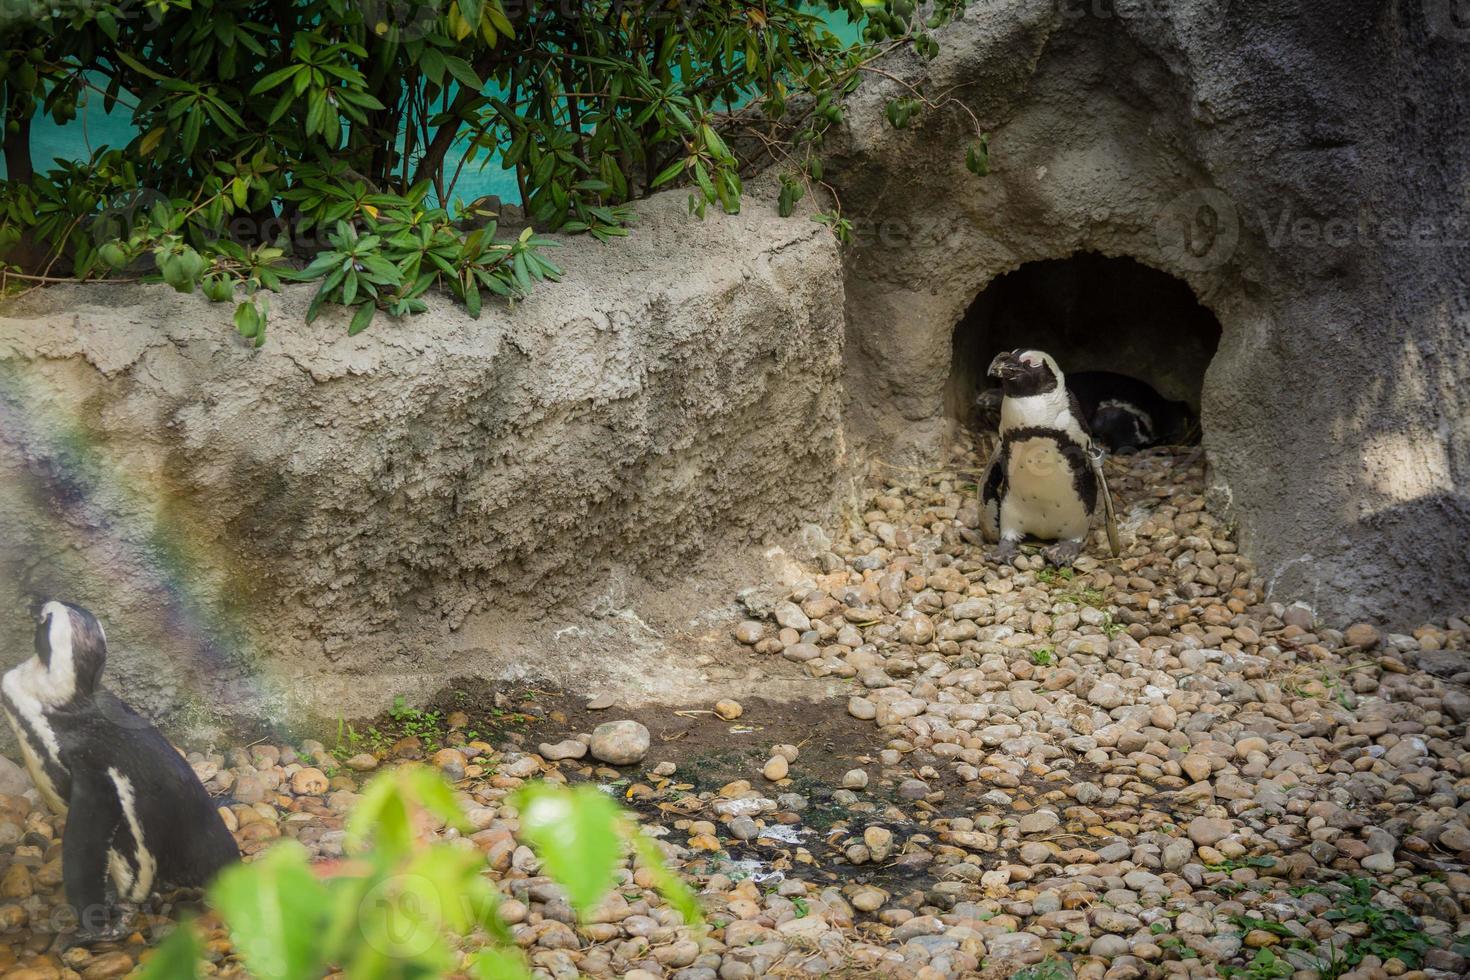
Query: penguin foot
point(114, 933)
point(1063, 553)
point(1002, 553)
point(119, 926)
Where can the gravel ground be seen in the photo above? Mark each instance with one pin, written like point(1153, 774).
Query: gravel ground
point(1137, 768)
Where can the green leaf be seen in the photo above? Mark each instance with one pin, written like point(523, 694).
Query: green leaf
point(670, 886)
point(977, 157)
point(274, 78)
point(247, 320)
point(176, 958)
point(463, 73)
point(668, 173)
point(218, 289)
point(574, 831)
point(499, 964)
point(139, 67)
point(361, 319)
point(274, 908)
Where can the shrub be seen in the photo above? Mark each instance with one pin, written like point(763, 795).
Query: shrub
point(313, 140)
point(405, 906)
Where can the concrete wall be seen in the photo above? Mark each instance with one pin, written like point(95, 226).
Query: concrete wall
point(329, 521)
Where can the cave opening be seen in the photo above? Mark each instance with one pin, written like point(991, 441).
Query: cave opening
point(1093, 313)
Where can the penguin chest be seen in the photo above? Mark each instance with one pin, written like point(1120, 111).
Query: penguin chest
point(35, 754)
point(1042, 497)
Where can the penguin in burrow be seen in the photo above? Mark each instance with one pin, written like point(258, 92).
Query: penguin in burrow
point(1041, 481)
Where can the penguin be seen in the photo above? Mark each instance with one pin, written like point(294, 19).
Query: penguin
point(1041, 481)
point(1126, 414)
point(137, 815)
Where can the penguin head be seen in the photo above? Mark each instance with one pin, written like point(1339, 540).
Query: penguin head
point(71, 647)
point(1023, 373)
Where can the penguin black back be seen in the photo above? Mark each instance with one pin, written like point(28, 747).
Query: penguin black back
point(1126, 414)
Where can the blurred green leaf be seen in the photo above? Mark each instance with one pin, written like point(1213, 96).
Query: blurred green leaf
point(275, 908)
point(575, 833)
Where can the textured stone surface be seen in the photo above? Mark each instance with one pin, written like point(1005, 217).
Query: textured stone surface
point(1299, 148)
point(337, 519)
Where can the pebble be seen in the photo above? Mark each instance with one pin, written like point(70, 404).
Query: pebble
point(569, 748)
point(620, 743)
point(1120, 771)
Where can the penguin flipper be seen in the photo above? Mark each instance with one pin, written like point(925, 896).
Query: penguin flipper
point(992, 488)
point(90, 824)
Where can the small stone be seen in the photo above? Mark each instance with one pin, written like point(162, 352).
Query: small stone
point(570, 748)
point(1207, 831)
point(108, 965)
point(1196, 766)
point(601, 702)
point(1364, 635)
point(913, 789)
point(1455, 837)
point(749, 632)
point(1381, 863)
point(309, 782)
point(728, 710)
point(1108, 946)
point(620, 743)
point(862, 709)
point(1039, 822)
point(14, 780)
point(790, 616)
point(776, 768)
point(743, 828)
point(451, 762)
point(855, 779)
point(362, 762)
point(879, 841)
point(407, 747)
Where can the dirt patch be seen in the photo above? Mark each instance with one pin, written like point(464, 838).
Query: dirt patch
point(710, 753)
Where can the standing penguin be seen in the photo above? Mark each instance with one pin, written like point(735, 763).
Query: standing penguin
point(1041, 481)
point(137, 814)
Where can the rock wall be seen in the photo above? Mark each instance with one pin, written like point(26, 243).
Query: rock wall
point(563, 489)
point(1301, 166)
point(330, 521)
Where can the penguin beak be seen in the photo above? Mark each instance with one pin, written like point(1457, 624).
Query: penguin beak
point(1003, 361)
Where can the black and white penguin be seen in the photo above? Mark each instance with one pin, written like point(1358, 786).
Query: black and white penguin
point(1126, 414)
point(137, 815)
point(1041, 482)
